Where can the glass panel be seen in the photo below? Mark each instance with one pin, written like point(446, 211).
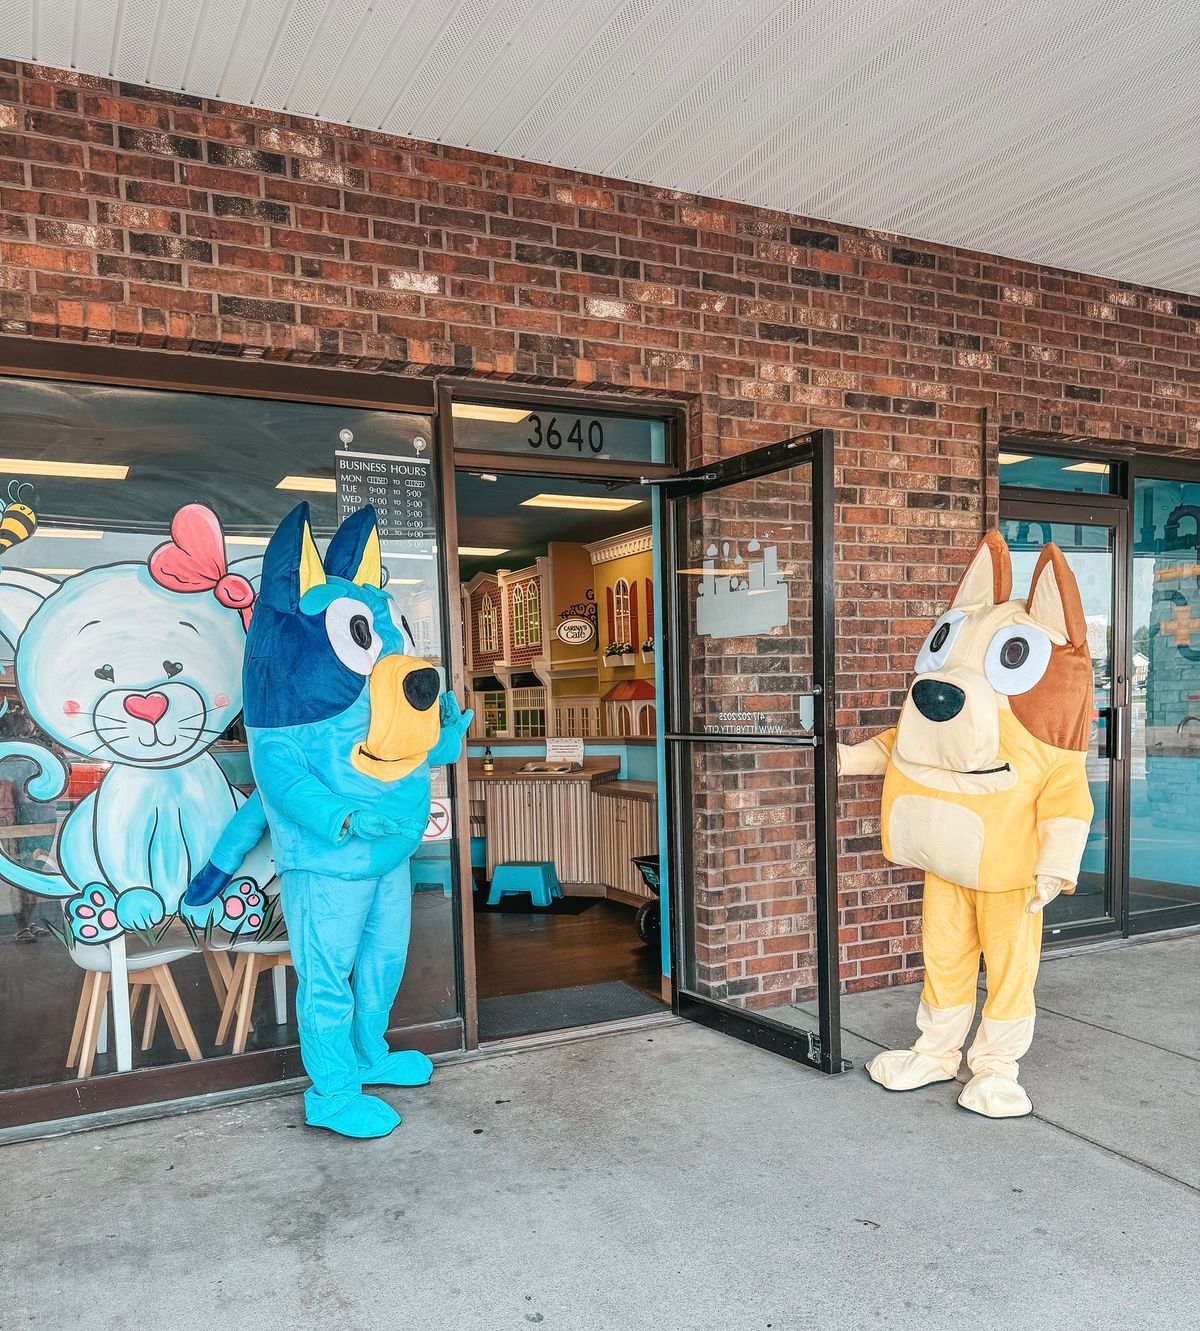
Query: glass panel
point(744, 584)
point(1089, 552)
point(752, 912)
point(1164, 837)
point(96, 659)
point(1037, 472)
point(556, 437)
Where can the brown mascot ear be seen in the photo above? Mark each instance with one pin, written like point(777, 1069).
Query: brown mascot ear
point(1054, 597)
point(988, 579)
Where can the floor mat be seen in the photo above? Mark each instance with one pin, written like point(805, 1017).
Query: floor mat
point(557, 1009)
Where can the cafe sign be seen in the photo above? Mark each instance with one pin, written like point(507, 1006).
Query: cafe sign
point(576, 632)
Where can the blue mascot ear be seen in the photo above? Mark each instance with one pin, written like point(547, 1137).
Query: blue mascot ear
point(355, 553)
point(291, 565)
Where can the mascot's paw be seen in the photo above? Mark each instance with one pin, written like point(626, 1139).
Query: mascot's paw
point(995, 1096)
point(406, 1067)
point(92, 916)
point(906, 1070)
point(209, 883)
point(364, 1117)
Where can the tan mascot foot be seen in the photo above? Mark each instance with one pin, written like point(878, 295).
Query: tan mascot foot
point(985, 789)
point(935, 1056)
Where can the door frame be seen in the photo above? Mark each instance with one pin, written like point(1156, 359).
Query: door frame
point(673, 414)
point(1128, 467)
point(819, 1049)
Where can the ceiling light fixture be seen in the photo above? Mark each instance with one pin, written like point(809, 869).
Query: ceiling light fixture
point(480, 411)
point(483, 551)
point(247, 540)
point(323, 485)
point(94, 471)
point(1100, 468)
point(57, 572)
point(595, 502)
point(1010, 459)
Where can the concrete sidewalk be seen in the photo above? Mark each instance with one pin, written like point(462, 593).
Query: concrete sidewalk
point(667, 1177)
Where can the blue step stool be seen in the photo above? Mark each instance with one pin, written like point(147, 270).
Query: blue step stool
point(537, 877)
point(429, 872)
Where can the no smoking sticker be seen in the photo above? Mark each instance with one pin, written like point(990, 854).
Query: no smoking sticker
point(438, 826)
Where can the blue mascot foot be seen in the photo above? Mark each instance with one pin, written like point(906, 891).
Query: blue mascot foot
point(363, 1117)
point(406, 1067)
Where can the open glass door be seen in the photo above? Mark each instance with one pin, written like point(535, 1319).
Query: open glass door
point(750, 755)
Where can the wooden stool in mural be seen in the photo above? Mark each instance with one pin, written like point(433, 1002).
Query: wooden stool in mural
point(251, 962)
point(537, 877)
point(149, 974)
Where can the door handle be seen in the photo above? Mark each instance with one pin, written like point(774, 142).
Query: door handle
point(1116, 733)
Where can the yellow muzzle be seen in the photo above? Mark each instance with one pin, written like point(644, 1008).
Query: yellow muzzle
point(405, 720)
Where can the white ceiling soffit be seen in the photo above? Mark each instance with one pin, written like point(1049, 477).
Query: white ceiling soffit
point(1065, 132)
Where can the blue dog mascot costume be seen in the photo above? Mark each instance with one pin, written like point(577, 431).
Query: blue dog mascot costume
point(343, 725)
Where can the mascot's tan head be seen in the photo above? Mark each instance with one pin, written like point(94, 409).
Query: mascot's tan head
point(987, 655)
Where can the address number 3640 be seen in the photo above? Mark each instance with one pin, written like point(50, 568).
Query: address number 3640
point(549, 434)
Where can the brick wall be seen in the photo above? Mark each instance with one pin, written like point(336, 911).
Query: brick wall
point(154, 219)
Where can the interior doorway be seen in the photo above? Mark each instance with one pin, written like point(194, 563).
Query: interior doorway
point(557, 585)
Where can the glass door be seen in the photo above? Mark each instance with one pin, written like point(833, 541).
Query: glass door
point(1091, 537)
point(1164, 810)
point(750, 562)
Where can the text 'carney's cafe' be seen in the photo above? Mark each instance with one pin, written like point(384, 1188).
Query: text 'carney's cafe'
point(665, 553)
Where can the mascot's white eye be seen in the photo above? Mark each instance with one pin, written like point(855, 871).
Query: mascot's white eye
point(401, 623)
point(935, 651)
point(352, 634)
point(1017, 658)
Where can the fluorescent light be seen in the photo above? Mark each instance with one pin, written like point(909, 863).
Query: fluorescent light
point(1101, 468)
point(57, 572)
point(715, 572)
point(482, 550)
point(324, 485)
point(404, 582)
point(69, 533)
point(597, 502)
point(1008, 459)
point(247, 540)
point(479, 411)
point(96, 471)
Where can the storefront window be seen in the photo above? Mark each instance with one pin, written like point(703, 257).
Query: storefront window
point(122, 753)
point(1038, 471)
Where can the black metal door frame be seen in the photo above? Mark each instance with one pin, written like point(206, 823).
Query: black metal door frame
point(1019, 503)
point(821, 1048)
point(1111, 513)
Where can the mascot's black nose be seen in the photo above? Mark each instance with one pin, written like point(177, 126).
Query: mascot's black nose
point(935, 700)
point(421, 688)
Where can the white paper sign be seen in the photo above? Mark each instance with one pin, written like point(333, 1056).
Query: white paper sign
point(564, 751)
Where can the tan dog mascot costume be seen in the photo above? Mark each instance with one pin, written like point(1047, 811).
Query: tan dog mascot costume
point(985, 789)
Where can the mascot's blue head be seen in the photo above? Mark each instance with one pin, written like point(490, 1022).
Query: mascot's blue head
point(327, 642)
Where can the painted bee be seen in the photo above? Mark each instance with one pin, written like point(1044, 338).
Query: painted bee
point(18, 521)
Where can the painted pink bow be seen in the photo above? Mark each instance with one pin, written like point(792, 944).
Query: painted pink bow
point(193, 560)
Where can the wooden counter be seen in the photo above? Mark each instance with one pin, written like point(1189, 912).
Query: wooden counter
point(587, 823)
point(594, 771)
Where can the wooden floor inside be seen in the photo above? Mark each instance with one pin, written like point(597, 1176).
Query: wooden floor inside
point(526, 953)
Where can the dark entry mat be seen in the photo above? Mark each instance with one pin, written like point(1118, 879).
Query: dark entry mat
point(557, 1009)
point(522, 905)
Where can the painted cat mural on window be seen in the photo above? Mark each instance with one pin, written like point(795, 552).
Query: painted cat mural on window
point(138, 665)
